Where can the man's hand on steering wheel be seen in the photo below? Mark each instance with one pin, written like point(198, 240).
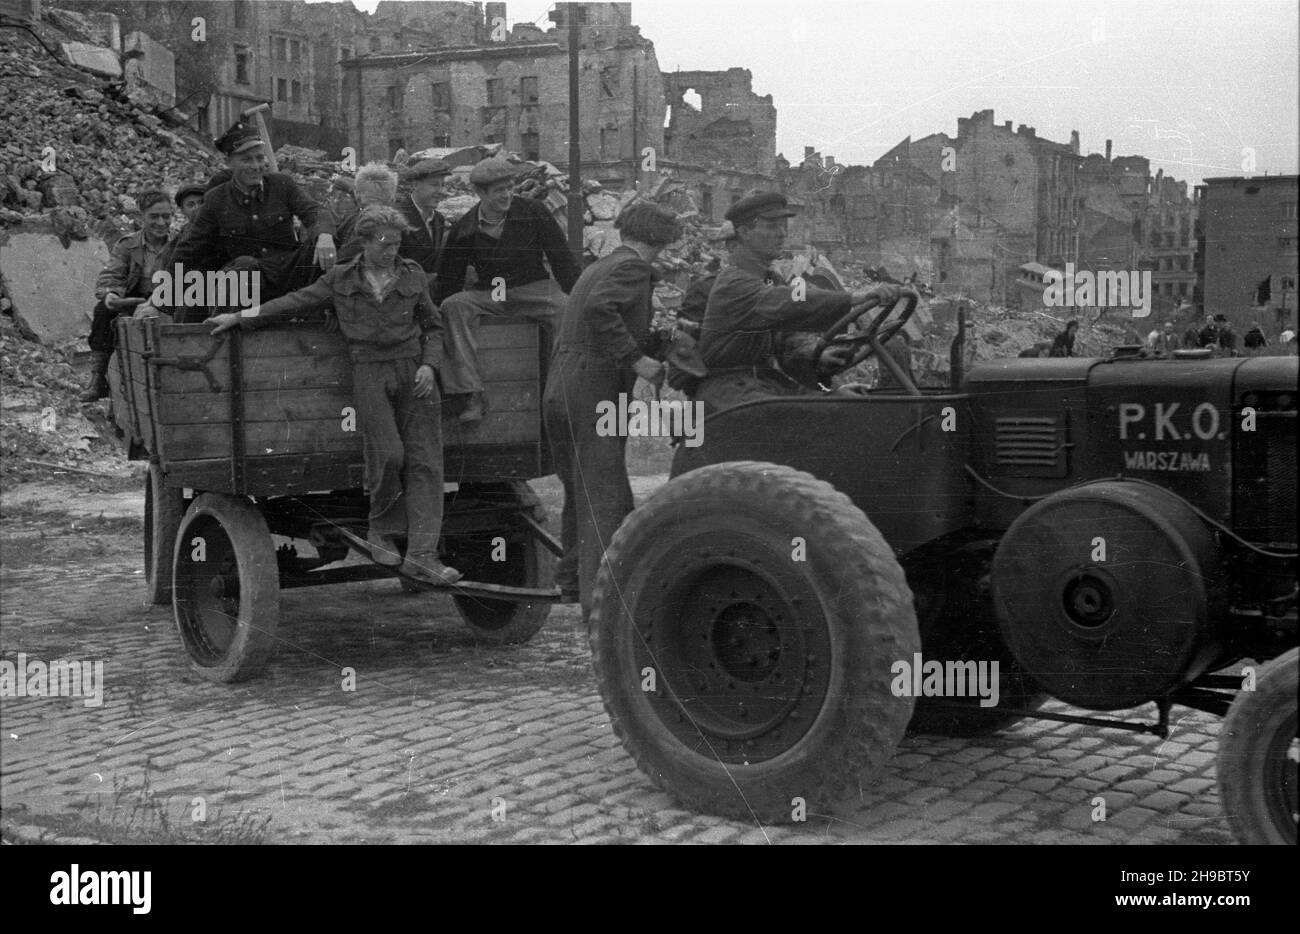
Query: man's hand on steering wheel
point(834, 358)
point(886, 293)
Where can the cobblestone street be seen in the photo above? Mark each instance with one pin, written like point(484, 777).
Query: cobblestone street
point(444, 740)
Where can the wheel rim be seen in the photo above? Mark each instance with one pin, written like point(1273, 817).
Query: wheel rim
point(149, 569)
point(742, 657)
point(208, 593)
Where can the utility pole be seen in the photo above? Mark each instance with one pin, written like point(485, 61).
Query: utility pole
point(575, 13)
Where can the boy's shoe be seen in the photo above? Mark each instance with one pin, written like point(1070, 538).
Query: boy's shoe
point(383, 549)
point(475, 409)
point(429, 570)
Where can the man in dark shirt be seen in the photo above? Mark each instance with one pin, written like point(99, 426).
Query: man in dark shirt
point(246, 224)
point(1255, 340)
point(751, 316)
point(419, 205)
point(505, 239)
point(1209, 336)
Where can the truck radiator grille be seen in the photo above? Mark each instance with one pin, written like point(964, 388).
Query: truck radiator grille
point(1265, 468)
point(1030, 446)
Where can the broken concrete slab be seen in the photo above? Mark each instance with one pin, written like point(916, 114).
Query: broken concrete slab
point(52, 288)
point(93, 57)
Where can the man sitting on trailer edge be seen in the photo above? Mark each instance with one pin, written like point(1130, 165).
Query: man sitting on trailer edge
point(246, 224)
point(505, 239)
point(394, 336)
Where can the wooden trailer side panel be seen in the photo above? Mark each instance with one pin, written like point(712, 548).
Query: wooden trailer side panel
point(290, 425)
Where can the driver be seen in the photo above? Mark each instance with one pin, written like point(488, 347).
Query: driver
point(749, 339)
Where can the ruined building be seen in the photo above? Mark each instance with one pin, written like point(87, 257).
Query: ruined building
point(514, 90)
point(1246, 256)
point(286, 52)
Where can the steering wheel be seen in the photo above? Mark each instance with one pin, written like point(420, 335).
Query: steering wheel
point(874, 336)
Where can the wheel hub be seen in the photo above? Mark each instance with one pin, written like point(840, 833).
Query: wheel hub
point(1088, 601)
point(743, 668)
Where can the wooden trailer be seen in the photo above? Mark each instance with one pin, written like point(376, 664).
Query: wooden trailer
point(250, 436)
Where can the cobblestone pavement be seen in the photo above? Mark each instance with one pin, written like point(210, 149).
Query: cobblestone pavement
point(447, 741)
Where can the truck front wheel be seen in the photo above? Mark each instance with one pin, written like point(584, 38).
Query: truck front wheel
point(743, 631)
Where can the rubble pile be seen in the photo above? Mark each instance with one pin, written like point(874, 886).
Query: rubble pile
point(42, 422)
point(76, 148)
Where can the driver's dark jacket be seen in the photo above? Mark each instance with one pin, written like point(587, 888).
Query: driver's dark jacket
point(750, 326)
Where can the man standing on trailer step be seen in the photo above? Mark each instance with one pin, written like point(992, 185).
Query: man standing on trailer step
point(749, 339)
point(505, 239)
point(394, 336)
point(246, 224)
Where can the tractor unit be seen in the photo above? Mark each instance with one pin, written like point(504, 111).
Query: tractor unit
point(1111, 532)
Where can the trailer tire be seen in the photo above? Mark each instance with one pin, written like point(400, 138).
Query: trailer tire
point(1256, 771)
point(227, 588)
point(743, 630)
point(164, 507)
point(527, 564)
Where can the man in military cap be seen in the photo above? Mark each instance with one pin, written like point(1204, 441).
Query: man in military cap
point(749, 338)
point(505, 239)
point(246, 223)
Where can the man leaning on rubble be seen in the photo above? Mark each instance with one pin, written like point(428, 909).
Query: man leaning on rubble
point(749, 339)
point(505, 239)
point(246, 224)
point(126, 281)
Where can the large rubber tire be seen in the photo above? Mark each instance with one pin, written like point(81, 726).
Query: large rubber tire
point(164, 507)
point(954, 614)
point(770, 669)
point(1258, 756)
point(227, 588)
point(528, 564)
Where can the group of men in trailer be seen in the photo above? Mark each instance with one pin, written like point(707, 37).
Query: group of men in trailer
point(391, 275)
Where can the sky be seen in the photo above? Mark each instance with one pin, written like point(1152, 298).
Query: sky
point(1203, 88)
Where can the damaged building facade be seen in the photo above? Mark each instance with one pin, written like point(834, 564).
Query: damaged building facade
point(1246, 231)
point(966, 213)
point(514, 90)
point(285, 52)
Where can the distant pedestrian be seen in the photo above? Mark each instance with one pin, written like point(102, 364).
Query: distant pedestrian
point(1063, 346)
point(1209, 335)
point(1227, 337)
point(1255, 340)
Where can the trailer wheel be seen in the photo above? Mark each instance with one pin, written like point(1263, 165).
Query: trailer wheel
point(1258, 754)
point(527, 564)
point(743, 632)
point(163, 508)
point(227, 587)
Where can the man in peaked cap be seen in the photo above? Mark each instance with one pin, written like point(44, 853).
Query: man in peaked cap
point(505, 239)
point(246, 223)
point(750, 339)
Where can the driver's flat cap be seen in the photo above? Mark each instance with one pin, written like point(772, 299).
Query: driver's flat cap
point(768, 204)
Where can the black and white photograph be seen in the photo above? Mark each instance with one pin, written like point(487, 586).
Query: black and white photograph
point(438, 422)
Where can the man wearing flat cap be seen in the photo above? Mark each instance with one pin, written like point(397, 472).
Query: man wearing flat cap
point(505, 239)
point(424, 182)
point(749, 339)
point(246, 223)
